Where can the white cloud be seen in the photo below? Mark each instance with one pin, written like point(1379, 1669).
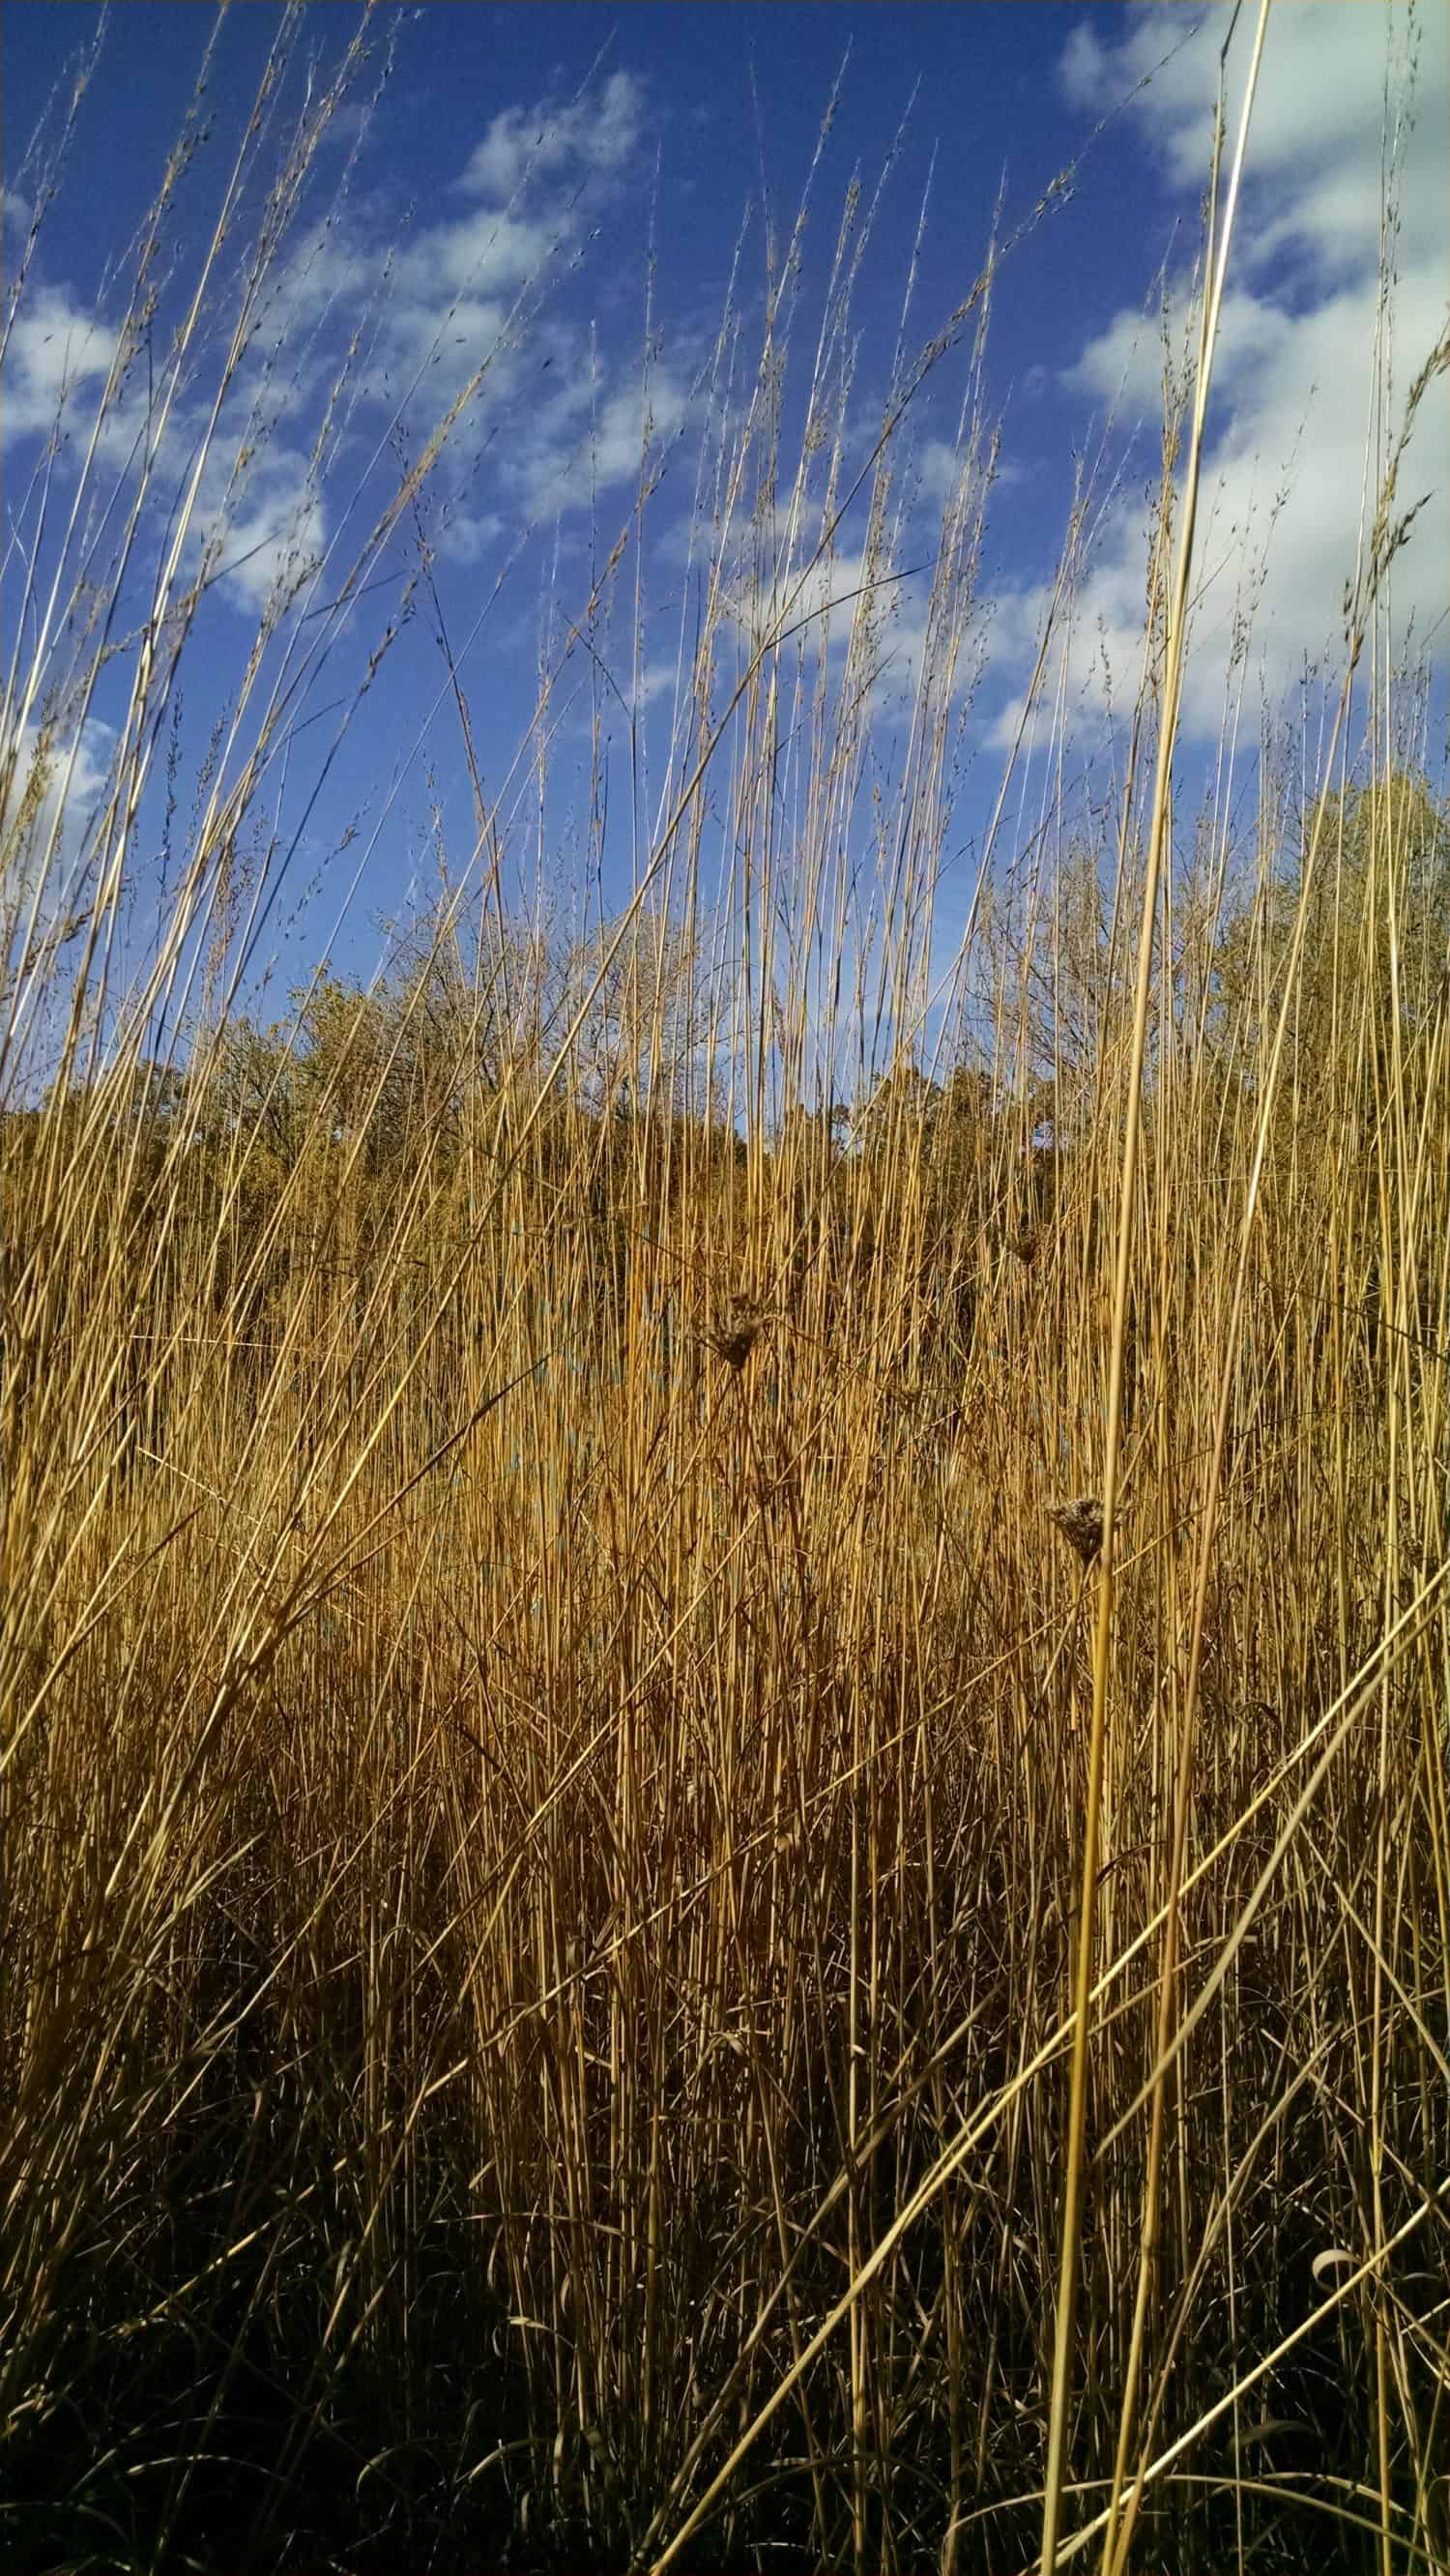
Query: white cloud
point(55, 350)
point(841, 604)
point(598, 134)
point(467, 291)
point(1124, 365)
point(1293, 413)
point(588, 435)
point(466, 536)
point(452, 345)
point(485, 253)
point(74, 776)
point(939, 467)
point(264, 526)
point(656, 680)
point(466, 282)
point(1320, 91)
point(276, 538)
point(1084, 72)
point(463, 288)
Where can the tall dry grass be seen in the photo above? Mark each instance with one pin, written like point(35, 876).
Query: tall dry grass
point(551, 1694)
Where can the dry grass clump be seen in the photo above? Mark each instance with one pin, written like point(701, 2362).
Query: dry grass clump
point(1081, 1523)
point(602, 1964)
point(738, 1329)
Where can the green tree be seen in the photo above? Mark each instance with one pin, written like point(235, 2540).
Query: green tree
point(1374, 941)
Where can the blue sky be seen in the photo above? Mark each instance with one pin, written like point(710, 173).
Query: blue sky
point(536, 154)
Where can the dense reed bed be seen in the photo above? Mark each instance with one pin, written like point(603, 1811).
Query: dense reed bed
point(571, 1773)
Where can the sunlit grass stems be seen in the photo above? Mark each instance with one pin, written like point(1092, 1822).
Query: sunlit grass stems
point(553, 1982)
point(1103, 1527)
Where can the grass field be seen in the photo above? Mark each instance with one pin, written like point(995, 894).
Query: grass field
point(624, 1945)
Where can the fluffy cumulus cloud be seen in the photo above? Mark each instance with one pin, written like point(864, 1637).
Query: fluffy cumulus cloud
point(876, 609)
point(1349, 119)
point(485, 255)
point(1316, 109)
point(591, 434)
point(51, 799)
point(465, 281)
point(57, 354)
point(272, 538)
point(598, 133)
point(474, 284)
